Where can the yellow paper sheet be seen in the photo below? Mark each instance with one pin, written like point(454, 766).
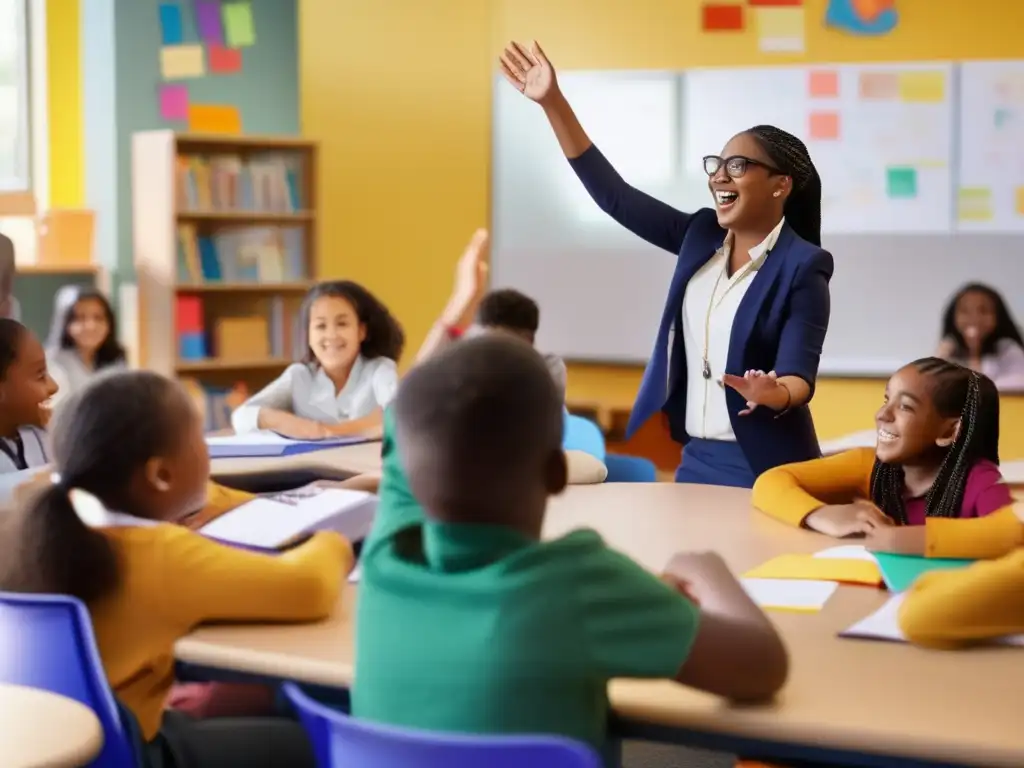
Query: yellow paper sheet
point(818, 569)
point(210, 118)
point(923, 86)
point(178, 62)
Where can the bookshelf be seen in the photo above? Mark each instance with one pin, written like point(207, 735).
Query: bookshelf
point(224, 236)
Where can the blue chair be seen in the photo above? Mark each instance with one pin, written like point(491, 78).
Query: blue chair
point(629, 469)
point(583, 435)
point(340, 741)
point(48, 643)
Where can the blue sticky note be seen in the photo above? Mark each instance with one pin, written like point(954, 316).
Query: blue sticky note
point(901, 571)
point(171, 28)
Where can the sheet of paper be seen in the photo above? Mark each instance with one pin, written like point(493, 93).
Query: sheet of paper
point(884, 624)
point(266, 437)
point(224, 61)
point(171, 30)
point(847, 552)
point(803, 596)
point(208, 22)
point(180, 62)
point(209, 118)
point(357, 572)
point(174, 102)
point(239, 30)
point(808, 567)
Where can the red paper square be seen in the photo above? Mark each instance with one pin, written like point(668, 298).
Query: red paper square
point(722, 18)
point(775, 3)
point(223, 60)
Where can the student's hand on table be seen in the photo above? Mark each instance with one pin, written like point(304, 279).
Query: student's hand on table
point(529, 71)
point(758, 388)
point(681, 586)
point(470, 281)
point(901, 540)
point(842, 520)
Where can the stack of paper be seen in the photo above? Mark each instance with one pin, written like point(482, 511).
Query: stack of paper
point(266, 443)
point(801, 596)
point(846, 569)
point(273, 522)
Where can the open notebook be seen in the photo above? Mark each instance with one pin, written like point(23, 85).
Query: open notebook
point(270, 522)
point(266, 443)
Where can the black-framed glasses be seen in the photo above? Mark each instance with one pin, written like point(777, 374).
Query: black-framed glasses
point(735, 166)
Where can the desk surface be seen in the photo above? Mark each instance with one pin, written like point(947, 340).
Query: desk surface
point(842, 694)
point(39, 728)
point(330, 463)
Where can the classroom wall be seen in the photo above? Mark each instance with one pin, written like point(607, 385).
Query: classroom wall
point(400, 97)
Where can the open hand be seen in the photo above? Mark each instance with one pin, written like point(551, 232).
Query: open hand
point(529, 71)
point(756, 387)
point(842, 520)
point(902, 540)
point(470, 284)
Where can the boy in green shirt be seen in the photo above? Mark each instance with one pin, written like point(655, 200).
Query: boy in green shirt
point(469, 622)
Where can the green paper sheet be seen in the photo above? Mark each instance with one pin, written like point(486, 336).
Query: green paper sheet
point(901, 571)
point(239, 30)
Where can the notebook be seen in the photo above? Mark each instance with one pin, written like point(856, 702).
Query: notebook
point(271, 522)
point(846, 570)
point(804, 596)
point(884, 624)
point(265, 443)
point(901, 571)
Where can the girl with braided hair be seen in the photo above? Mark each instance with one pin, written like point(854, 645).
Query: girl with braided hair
point(937, 457)
point(749, 294)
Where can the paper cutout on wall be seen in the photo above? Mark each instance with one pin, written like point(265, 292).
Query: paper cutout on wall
point(239, 30)
point(180, 62)
point(862, 17)
point(208, 22)
point(975, 204)
point(823, 84)
point(924, 86)
point(901, 183)
point(171, 32)
point(780, 30)
point(224, 61)
point(721, 17)
point(824, 126)
point(213, 118)
point(174, 102)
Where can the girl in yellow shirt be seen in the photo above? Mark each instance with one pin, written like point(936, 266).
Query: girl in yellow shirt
point(134, 441)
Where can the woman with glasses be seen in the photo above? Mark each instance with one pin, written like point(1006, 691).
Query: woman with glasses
point(737, 352)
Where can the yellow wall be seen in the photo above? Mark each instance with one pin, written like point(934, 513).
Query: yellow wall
point(64, 97)
point(399, 92)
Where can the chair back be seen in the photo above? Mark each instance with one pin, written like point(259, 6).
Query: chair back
point(583, 435)
point(340, 741)
point(48, 643)
point(629, 469)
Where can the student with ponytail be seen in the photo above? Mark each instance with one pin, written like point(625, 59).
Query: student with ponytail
point(937, 458)
point(132, 462)
point(736, 356)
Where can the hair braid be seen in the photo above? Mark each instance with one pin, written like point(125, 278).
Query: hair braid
point(803, 206)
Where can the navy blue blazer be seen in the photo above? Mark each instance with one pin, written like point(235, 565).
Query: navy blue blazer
point(780, 324)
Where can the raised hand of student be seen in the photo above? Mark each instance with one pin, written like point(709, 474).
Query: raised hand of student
point(841, 520)
point(529, 71)
point(470, 281)
point(758, 388)
point(899, 540)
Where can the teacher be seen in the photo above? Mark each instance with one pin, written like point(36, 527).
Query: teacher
point(740, 339)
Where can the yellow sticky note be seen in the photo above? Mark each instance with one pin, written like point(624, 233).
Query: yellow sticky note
point(975, 204)
point(818, 569)
point(178, 62)
point(239, 30)
point(923, 86)
point(211, 118)
point(1020, 200)
point(780, 30)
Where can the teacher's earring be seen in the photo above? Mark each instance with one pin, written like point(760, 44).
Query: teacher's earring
point(776, 193)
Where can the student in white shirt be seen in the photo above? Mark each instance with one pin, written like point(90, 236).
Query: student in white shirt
point(9, 306)
point(83, 339)
point(25, 391)
point(347, 375)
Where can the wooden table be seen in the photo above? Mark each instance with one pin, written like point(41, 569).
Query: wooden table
point(329, 464)
point(850, 698)
point(41, 729)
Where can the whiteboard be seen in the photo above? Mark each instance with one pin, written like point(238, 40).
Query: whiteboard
point(881, 135)
point(990, 192)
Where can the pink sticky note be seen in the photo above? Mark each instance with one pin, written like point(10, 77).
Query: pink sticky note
point(824, 126)
point(823, 83)
point(174, 102)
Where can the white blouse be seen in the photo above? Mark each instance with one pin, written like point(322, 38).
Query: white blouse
point(37, 456)
point(710, 303)
point(308, 392)
point(70, 373)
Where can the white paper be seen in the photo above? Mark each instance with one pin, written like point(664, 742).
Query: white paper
point(884, 624)
point(846, 552)
point(357, 572)
point(261, 437)
point(790, 594)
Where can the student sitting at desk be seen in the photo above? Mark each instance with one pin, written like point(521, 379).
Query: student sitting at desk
point(134, 442)
point(9, 306)
point(937, 457)
point(469, 622)
point(347, 375)
point(979, 332)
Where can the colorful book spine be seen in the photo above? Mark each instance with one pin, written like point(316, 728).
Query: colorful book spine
point(190, 327)
point(268, 182)
point(246, 255)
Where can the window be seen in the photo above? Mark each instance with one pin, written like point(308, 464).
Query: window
point(15, 157)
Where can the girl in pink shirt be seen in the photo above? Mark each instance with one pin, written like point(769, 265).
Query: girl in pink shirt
point(979, 332)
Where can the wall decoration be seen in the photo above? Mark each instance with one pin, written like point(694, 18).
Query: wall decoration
point(214, 118)
point(171, 29)
point(716, 17)
point(862, 17)
point(239, 30)
point(208, 22)
point(174, 102)
point(224, 61)
point(180, 62)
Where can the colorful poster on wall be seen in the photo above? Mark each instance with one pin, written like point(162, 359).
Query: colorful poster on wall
point(862, 17)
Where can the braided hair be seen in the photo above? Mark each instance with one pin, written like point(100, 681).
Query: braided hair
point(787, 153)
point(958, 392)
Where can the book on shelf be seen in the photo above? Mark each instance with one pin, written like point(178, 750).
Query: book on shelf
point(267, 182)
point(241, 255)
point(196, 341)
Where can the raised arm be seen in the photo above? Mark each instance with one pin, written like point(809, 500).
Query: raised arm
point(530, 73)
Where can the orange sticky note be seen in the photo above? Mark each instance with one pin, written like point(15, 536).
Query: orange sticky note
point(824, 126)
point(823, 83)
point(879, 85)
point(211, 118)
point(808, 567)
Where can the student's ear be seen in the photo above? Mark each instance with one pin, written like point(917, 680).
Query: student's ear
point(950, 432)
point(362, 332)
point(556, 473)
point(158, 474)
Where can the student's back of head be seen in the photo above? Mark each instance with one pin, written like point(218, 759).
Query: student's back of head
point(133, 441)
point(479, 433)
point(509, 310)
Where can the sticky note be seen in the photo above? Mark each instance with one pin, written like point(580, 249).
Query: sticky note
point(174, 102)
point(901, 571)
point(878, 85)
point(901, 182)
point(171, 32)
point(213, 118)
point(922, 86)
point(801, 567)
point(824, 126)
point(823, 83)
point(239, 31)
point(208, 22)
point(1020, 201)
point(224, 60)
point(975, 204)
point(775, 3)
point(178, 62)
point(721, 18)
point(780, 30)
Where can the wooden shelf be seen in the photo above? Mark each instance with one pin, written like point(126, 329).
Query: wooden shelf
point(214, 364)
point(294, 287)
point(246, 217)
point(195, 142)
point(56, 269)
